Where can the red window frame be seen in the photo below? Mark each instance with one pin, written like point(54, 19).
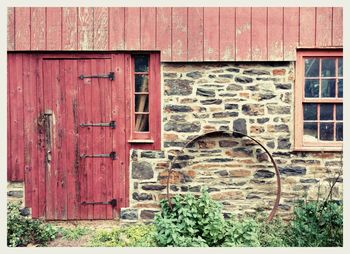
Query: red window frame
point(299, 90)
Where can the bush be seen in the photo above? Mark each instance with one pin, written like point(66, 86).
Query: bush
point(22, 231)
point(73, 233)
point(138, 235)
point(317, 225)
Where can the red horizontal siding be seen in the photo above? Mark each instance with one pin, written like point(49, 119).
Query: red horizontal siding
point(182, 34)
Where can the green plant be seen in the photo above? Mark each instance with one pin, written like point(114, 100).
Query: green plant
point(74, 233)
point(22, 231)
point(272, 234)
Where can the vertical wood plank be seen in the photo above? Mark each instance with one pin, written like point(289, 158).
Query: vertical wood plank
point(337, 35)
point(195, 34)
point(38, 28)
point(116, 28)
point(100, 28)
point(259, 33)
point(69, 28)
point(155, 100)
point(164, 31)
point(132, 28)
point(10, 28)
point(53, 31)
point(275, 33)
point(243, 34)
point(179, 34)
point(85, 28)
point(290, 32)
point(227, 33)
point(148, 28)
point(211, 34)
point(307, 29)
point(10, 78)
point(22, 28)
point(323, 26)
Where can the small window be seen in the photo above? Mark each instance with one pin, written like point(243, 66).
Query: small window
point(319, 100)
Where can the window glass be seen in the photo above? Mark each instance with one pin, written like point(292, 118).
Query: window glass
point(312, 67)
point(326, 131)
point(328, 88)
point(328, 67)
point(310, 111)
point(326, 111)
point(312, 88)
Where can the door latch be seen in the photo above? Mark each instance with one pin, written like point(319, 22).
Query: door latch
point(112, 202)
point(112, 155)
point(111, 124)
point(110, 76)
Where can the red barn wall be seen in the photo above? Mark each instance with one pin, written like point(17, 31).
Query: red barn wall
point(181, 34)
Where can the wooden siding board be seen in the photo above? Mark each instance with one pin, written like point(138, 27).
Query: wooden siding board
point(211, 34)
point(307, 27)
point(132, 28)
point(275, 33)
point(10, 62)
point(290, 32)
point(10, 28)
point(337, 27)
point(164, 32)
point(22, 28)
point(227, 33)
point(100, 28)
point(179, 34)
point(259, 34)
point(195, 34)
point(85, 28)
point(243, 34)
point(323, 26)
point(69, 28)
point(53, 31)
point(148, 28)
point(38, 28)
point(116, 28)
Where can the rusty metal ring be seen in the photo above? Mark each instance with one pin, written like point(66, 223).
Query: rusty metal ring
point(232, 134)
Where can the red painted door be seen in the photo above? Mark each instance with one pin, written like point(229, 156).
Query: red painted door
point(83, 153)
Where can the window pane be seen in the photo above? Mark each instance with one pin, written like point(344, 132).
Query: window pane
point(340, 88)
point(141, 63)
point(326, 111)
point(310, 132)
point(312, 67)
point(328, 88)
point(340, 67)
point(141, 123)
point(311, 88)
point(141, 83)
point(326, 131)
point(339, 111)
point(339, 134)
point(310, 111)
point(328, 67)
point(141, 103)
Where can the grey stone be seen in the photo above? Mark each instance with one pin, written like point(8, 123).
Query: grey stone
point(170, 75)
point(231, 106)
point(224, 114)
point(256, 72)
point(178, 87)
point(15, 194)
point(195, 189)
point(128, 214)
point(333, 163)
point(178, 108)
point(310, 180)
point(213, 189)
point(263, 120)
point(275, 109)
point(178, 117)
point(271, 144)
point(174, 188)
point(243, 79)
point(282, 154)
point(222, 172)
point(283, 86)
point(195, 75)
point(142, 170)
point(233, 87)
point(252, 196)
point(174, 144)
point(236, 70)
point(253, 109)
point(263, 173)
point(266, 96)
point(281, 128)
point(152, 154)
point(226, 76)
point(284, 207)
point(153, 187)
point(292, 170)
point(245, 150)
point(211, 76)
point(240, 125)
point(184, 157)
point(219, 160)
point(184, 188)
point(24, 211)
point(148, 214)
point(205, 92)
point(227, 143)
point(261, 156)
point(141, 196)
point(211, 101)
point(201, 116)
point(182, 127)
point(283, 143)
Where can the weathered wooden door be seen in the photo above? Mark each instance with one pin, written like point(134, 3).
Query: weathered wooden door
point(84, 146)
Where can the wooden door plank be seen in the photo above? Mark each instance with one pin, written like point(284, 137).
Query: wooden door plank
point(290, 32)
point(275, 33)
point(100, 28)
point(195, 34)
point(227, 33)
point(155, 100)
point(324, 26)
point(85, 28)
point(116, 28)
point(54, 25)
point(163, 34)
point(148, 28)
point(179, 34)
point(10, 28)
point(38, 28)
point(243, 34)
point(69, 28)
point(259, 33)
point(22, 28)
point(307, 27)
point(10, 77)
point(132, 28)
point(211, 34)
point(337, 28)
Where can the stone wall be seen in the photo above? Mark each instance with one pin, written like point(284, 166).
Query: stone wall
point(254, 98)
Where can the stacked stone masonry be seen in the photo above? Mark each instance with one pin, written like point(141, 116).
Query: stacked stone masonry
point(253, 98)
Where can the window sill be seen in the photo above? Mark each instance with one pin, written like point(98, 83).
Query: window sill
point(318, 149)
point(141, 141)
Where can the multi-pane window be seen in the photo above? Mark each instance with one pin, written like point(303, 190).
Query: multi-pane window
point(319, 100)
